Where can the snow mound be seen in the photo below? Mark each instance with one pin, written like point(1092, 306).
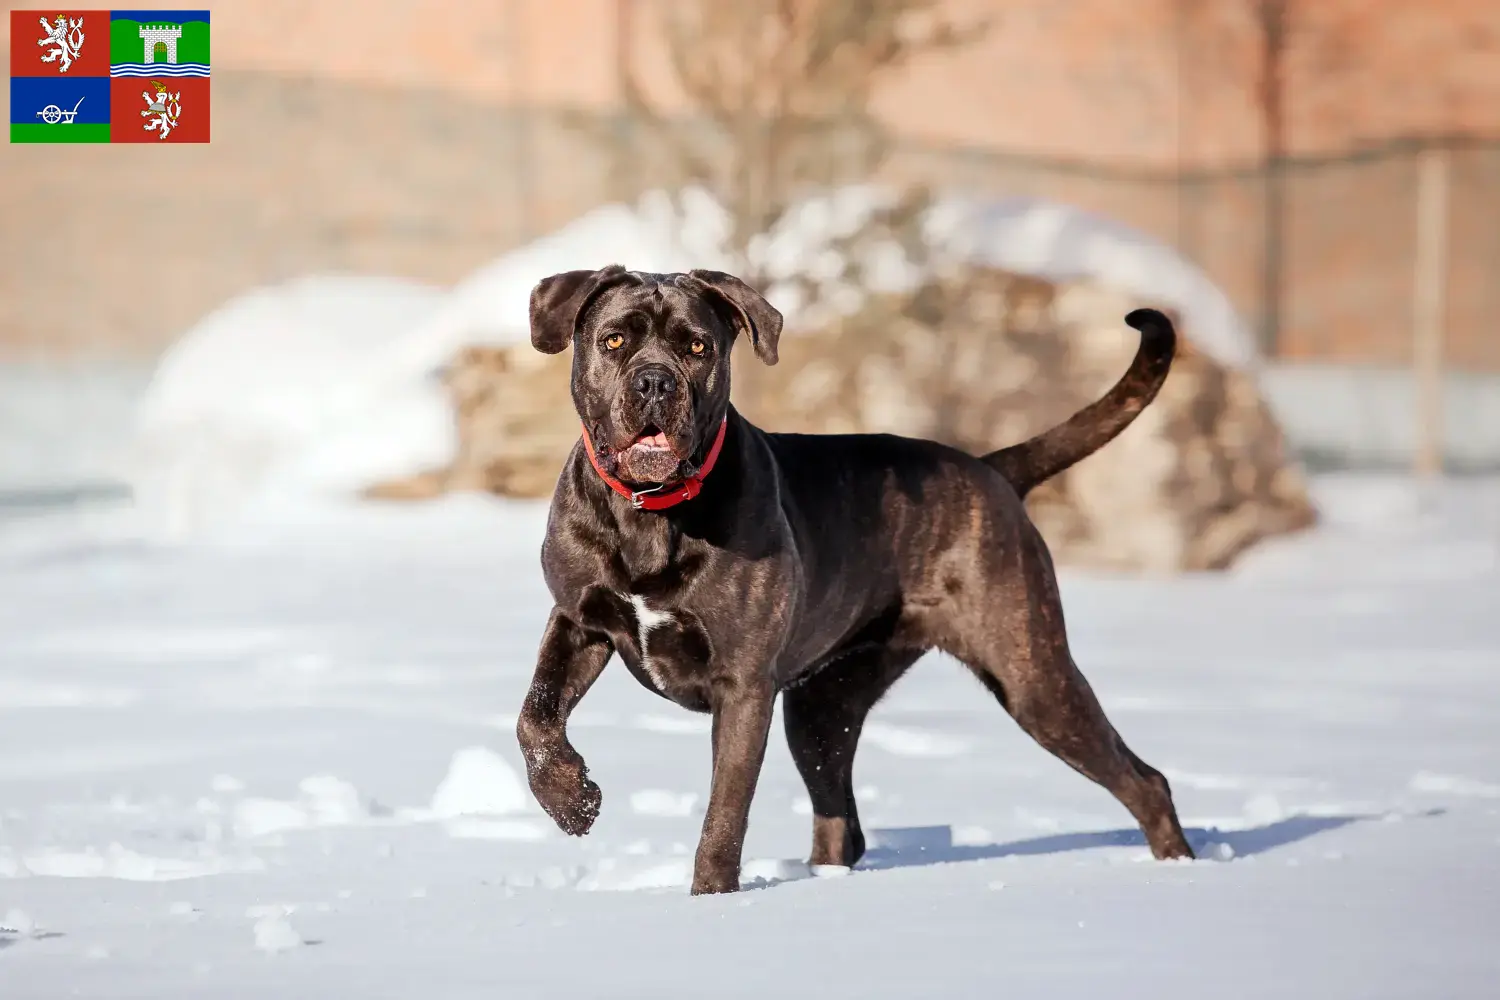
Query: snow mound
point(18, 922)
point(492, 305)
point(242, 395)
point(324, 801)
point(1030, 235)
point(609, 876)
point(479, 782)
point(1061, 242)
point(274, 933)
point(315, 388)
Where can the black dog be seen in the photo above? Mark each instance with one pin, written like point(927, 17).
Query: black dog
point(726, 565)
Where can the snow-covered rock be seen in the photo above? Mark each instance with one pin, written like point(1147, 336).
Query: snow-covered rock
point(1064, 243)
point(1028, 235)
point(317, 387)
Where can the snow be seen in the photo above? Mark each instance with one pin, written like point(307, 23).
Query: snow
point(117, 862)
point(1426, 781)
point(1061, 242)
point(273, 353)
point(910, 742)
point(660, 802)
point(17, 922)
point(323, 800)
point(280, 760)
point(1031, 235)
point(260, 394)
point(479, 781)
point(274, 933)
point(323, 385)
point(63, 426)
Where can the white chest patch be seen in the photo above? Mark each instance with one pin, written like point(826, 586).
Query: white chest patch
point(645, 621)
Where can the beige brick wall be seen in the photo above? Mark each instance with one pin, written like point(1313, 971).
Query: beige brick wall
point(375, 136)
point(1159, 82)
point(301, 175)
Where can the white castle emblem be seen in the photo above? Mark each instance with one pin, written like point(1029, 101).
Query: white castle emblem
point(66, 35)
point(167, 108)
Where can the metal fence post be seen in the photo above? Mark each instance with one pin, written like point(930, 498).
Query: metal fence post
point(520, 41)
point(1429, 295)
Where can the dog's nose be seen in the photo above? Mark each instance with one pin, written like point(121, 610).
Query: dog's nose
point(654, 382)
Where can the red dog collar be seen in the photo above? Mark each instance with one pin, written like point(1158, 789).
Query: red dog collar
point(668, 494)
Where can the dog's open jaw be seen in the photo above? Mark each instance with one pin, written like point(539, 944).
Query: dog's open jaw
point(650, 457)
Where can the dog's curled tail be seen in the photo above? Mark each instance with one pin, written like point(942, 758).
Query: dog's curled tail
point(1040, 458)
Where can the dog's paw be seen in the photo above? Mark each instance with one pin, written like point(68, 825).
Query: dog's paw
point(1178, 850)
point(576, 817)
point(569, 796)
point(709, 885)
point(715, 871)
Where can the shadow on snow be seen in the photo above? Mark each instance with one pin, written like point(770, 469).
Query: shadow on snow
point(917, 846)
point(921, 846)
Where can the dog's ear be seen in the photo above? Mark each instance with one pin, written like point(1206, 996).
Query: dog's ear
point(557, 303)
point(756, 317)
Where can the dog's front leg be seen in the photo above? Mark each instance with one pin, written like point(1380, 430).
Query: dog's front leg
point(742, 718)
point(568, 663)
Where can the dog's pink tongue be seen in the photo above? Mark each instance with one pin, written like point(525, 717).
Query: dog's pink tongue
point(657, 440)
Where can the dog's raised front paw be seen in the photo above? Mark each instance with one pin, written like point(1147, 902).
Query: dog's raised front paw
point(566, 792)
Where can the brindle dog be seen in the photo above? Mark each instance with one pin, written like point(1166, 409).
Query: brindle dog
point(727, 565)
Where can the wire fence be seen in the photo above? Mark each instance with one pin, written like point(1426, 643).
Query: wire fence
point(1348, 246)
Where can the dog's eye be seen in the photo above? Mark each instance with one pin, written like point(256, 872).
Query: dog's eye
point(697, 346)
point(614, 341)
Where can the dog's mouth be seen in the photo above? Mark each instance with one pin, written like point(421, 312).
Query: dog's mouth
point(651, 439)
point(650, 457)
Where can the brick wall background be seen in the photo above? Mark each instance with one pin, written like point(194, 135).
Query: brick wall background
point(422, 137)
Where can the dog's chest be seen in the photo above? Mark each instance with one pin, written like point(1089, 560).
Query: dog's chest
point(666, 648)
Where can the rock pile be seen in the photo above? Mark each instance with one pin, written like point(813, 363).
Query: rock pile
point(979, 360)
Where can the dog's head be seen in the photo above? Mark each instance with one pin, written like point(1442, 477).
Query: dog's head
point(650, 359)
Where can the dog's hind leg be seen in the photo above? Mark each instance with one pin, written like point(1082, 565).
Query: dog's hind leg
point(1019, 650)
point(824, 715)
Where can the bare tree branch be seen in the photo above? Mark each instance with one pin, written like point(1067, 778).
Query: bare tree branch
point(784, 91)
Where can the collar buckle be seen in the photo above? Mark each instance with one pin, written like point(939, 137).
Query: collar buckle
point(638, 497)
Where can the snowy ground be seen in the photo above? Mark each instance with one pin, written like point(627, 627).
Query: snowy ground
point(282, 765)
